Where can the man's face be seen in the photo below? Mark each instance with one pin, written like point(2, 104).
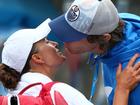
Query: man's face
point(83, 46)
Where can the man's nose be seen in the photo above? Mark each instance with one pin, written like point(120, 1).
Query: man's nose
point(65, 45)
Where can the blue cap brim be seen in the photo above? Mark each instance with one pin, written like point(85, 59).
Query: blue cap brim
point(63, 31)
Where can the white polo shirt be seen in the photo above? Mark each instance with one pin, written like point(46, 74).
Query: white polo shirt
point(70, 94)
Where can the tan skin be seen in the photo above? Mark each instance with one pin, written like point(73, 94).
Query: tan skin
point(126, 81)
point(82, 46)
point(44, 61)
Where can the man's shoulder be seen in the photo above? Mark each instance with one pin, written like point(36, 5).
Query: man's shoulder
point(129, 16)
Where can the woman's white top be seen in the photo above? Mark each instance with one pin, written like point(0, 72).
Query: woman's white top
point(70, 94)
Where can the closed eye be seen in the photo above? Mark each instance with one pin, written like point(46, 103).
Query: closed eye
point(46, 40)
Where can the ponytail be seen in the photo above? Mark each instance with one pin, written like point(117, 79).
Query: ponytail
point(9, 77)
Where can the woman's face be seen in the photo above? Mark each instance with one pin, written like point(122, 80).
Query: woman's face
point(49, 53)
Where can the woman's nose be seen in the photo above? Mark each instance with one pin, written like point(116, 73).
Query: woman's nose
point(55, 44)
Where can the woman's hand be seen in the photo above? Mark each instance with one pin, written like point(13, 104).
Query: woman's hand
point(130, 76)
point(126, 81)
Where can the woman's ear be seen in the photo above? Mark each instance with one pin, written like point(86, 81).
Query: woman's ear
point(106, 37)
point(37, 58)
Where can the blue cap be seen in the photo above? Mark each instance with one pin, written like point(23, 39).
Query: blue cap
point(63, 31)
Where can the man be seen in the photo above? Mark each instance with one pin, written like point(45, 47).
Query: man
point(95, 26)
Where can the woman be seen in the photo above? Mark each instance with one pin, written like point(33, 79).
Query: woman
point(28, 57)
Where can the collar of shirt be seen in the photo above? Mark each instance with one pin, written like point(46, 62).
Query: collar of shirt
point(35, 77)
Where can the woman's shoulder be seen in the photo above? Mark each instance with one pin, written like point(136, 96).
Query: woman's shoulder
point(70, 94)
point(66, 89)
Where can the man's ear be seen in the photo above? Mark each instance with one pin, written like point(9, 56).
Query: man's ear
point(37, 58)
point(107, 37)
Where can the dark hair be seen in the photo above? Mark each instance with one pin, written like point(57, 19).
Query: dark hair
point(27, 65)
point(10, 77)
point(116, 36)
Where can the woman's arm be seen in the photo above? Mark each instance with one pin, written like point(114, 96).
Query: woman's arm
point(126, 81)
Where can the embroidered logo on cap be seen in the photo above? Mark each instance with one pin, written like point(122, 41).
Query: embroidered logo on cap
point(73, 13)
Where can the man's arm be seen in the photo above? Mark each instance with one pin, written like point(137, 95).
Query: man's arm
point(126, 81)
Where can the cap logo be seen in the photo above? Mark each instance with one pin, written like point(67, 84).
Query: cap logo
point(73, 13)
